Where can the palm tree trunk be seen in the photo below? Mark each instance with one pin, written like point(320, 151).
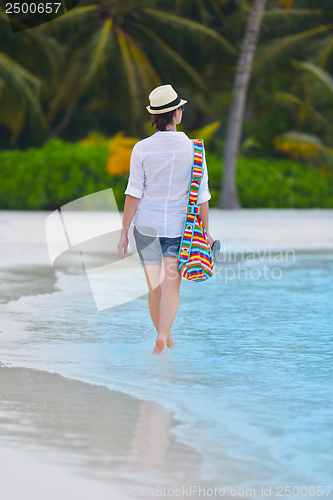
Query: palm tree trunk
point(229, 197)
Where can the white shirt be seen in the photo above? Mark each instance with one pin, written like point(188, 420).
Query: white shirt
point(160, 175)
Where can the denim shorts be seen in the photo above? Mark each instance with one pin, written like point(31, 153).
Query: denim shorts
point(151, 249)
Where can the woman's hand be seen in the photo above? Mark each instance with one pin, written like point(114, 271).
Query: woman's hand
point(123, 244)
point(211, 240)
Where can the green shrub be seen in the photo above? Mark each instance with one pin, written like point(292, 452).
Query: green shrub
point(47, 178)
point(270, 183)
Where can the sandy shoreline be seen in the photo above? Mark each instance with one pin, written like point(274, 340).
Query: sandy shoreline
point(23, 238)
point(88, 441)
point(83, 441)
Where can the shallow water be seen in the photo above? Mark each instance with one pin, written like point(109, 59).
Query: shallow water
point(250, 377)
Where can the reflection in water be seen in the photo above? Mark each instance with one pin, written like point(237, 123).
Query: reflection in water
point(151, 439)
point(81, 424)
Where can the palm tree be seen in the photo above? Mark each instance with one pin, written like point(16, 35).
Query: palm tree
point(21, 77)
point(108, 37)
point(99, 43)
point(229, 198)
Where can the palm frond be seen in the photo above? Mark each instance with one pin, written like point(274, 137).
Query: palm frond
point(173, 53)
point(23, 83)
point(323, 76)
point(13, 112)
point(25, 86)
point(77, 12)
point(206, 132)
point(326, 53)
point(100, 42)
point(129, 68)
point(71, 19)
point(17, 73)
point(285, 98)
point(48, 45)
point(295, 12)
point(149, 76)
point(189, 23)
point(287, 41)
point(65, 88)
point(250, 143)
point(238, 18)
point(301, 146)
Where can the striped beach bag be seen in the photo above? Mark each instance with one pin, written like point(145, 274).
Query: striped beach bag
point(195, 258)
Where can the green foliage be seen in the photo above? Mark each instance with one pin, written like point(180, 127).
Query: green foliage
point(270, 183)
point(47, 178)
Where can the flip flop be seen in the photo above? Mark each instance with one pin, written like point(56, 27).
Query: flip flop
point(216, 247)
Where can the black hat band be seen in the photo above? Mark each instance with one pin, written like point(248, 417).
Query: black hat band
point(165, 106)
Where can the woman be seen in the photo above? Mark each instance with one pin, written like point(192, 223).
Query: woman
point(156, 196)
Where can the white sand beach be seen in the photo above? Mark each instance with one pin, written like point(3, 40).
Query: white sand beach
point(26, 475)
point(22, 233)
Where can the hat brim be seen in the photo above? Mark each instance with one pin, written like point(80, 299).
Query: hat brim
point(166, 110)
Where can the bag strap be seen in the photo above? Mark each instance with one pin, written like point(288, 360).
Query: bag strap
point(192, 209)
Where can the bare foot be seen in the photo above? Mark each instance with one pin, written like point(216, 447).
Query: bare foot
point(160, 344)
point(170, 342)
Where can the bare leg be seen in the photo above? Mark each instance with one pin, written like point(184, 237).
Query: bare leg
point(154, 298)
point(169, 302)
point(153, 274)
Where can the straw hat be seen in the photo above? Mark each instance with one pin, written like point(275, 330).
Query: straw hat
point(163, 99)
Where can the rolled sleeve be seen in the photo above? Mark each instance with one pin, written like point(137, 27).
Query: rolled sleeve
point(135, 185)
point(204, 194)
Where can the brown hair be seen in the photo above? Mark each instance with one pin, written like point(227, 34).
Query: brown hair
point(161, 121)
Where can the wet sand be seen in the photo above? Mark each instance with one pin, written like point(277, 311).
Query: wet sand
point(67, 439)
